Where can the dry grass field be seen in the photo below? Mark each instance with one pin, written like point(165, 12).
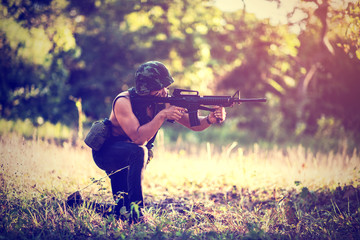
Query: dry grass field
point(201, 193)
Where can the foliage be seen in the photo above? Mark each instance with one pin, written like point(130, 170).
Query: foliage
point(47, 130)
point(334, 83)
point(306, 77)
point(330, 137)
point(54, 51)
point(244, 194)
point(36, 41)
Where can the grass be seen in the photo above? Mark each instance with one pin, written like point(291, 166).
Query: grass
point(191, 192)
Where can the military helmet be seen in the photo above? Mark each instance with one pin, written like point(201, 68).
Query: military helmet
point(152, 76)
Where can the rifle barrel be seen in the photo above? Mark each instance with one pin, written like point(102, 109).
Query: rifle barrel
point(251, 100)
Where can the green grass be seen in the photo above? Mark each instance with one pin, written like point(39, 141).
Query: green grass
point(27, 129)
point(200, 193)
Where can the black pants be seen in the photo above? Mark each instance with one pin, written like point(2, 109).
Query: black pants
point(126, 184)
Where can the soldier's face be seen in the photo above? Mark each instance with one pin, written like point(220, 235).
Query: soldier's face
point(160, 93)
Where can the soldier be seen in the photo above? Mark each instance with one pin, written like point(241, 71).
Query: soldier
point(134, 128)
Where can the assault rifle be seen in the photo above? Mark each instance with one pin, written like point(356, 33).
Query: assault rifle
point(192, 101)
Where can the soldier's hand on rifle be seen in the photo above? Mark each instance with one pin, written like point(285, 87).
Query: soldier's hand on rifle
point(173, 112)
point(218, 116)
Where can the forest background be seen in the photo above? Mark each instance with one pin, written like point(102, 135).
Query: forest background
point(284, 169)
point(63, 62)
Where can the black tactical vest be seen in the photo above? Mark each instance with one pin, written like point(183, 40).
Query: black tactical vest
point(140, 111)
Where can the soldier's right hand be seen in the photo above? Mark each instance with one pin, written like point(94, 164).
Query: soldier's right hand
point(174, 113)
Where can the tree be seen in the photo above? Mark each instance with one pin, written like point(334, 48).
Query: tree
point(116, 37)
point(313, 75)
point(89, 50)
point(258, 58)
point(328, 52)
point(36, 39)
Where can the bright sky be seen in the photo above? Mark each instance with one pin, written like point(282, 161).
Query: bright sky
point(265, 9)
point(261, 8)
